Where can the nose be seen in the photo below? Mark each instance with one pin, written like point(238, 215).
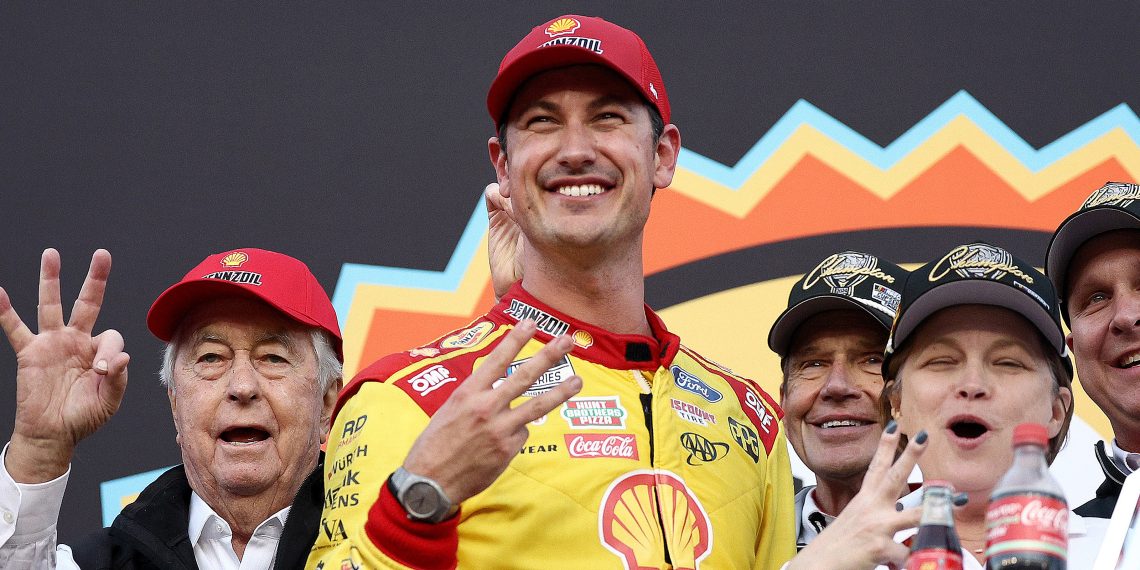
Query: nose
point(840, 383)
point(576, 148)
point(243, 383)
point(1127, 316)
point(974, 384)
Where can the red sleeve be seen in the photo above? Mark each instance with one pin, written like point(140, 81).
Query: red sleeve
point(413, 544)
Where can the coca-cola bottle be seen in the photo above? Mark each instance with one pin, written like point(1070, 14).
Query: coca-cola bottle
point(936, 546)
point(1027, 522)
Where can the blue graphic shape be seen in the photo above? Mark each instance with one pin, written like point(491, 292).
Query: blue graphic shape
point(112, 492)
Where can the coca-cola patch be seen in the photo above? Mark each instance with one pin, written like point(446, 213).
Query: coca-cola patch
point(934, 559)
point(593, 445)
point(1029, 522)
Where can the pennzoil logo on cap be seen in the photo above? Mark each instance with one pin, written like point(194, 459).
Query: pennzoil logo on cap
point(1120, 194)
point(239, 277)
point(235, 259)
point(842, 272)
point(584, 43)
point(978, 261)
point(562, 26)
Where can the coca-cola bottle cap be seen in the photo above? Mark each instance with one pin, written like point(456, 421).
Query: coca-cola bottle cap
point(1030, 433)
point(938, 483)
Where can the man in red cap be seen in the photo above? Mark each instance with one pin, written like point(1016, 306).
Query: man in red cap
point(661, 460)
point(252, 367)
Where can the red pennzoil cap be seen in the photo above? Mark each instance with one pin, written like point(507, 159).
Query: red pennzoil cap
point(1030, 433)
point(571, 40)
point(283, 282)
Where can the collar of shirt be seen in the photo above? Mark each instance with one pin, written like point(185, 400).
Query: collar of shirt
point(211, 537)
point(1127, 461)
point(808, 528)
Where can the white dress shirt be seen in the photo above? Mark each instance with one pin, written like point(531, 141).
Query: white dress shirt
point(1127, 461)
point(212, 539)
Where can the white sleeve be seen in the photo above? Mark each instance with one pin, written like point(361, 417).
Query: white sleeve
point(28, 517)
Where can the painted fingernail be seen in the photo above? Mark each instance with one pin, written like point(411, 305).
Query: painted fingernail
point(921, 437)
point(898, 506)
point(891, 427)
point(961, 499)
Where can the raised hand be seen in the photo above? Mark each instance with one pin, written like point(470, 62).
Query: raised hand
point(504, 241)
point(862, 536)
point(475, 434)
point(68, 382)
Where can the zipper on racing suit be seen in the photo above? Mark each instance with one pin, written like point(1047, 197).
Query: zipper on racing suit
point(646, 397)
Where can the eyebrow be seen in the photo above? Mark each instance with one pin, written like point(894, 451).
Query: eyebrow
point(280, 336)
point(595, 104)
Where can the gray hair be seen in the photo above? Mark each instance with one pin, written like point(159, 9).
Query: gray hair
point(329, 367)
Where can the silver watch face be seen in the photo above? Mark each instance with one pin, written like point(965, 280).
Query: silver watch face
point(421, 500)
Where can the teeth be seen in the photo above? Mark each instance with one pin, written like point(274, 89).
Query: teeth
point(842, 423)
point(582, 190)
point(1130, 361)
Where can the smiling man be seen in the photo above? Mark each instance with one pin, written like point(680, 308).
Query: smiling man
point(830, 340)
point(662, 460)
point(1094, 263)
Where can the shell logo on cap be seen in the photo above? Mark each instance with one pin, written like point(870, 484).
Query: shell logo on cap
point(562, 26)
point(636, 507)
point(235, 259)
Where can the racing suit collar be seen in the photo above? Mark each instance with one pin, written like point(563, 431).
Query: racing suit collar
point(591, 343)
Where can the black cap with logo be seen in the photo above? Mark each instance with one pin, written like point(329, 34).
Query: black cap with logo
point(1115, 206)
point(841, 281)
point(978, 274)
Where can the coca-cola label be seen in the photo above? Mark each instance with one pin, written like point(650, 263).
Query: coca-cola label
point(590, 445)
point(1027, 523)
point(934, 559)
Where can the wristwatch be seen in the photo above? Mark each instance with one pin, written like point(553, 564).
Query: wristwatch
point(422, 498)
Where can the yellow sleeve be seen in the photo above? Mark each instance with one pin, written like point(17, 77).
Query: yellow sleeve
point(777, 540)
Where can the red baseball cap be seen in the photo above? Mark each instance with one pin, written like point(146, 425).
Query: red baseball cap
point(570, 40)
point(283, 282)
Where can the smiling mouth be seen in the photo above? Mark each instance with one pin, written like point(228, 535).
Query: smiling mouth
point(581, 190)
point(1131, 361)
point(968, 429)
point(244, 436)
point(844, 423)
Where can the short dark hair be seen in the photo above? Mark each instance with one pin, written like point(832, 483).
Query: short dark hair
point(656, 123)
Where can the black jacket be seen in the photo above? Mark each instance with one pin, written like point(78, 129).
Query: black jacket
point(152, 531)
point(1101, 507)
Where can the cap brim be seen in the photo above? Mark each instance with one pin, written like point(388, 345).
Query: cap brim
point(168, 310)
point(979, 292)
point(509, 79)
point(780, 336)
point(1074, 232)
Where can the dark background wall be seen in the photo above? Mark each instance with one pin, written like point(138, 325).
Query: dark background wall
point(355, 132)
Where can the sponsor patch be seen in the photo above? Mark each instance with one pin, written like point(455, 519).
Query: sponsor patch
point(632, 521)
point(746, 438)
point(584, 43)
point(583, 339)
point(595, 445)
point(555, 375)
point(235, 259)
point(690, 383)
point(544, 321)
point(424, 352)
point(692, 413)
point(594, 413)
point(766, 424)
point(701, 449)
point(886, 297)
point(431, 379)
point(563, 26)
point(242, 277)
point(468, 337)
point(542, 448)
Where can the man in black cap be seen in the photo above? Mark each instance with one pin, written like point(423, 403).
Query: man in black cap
point(830, 340)
point(1094, 263)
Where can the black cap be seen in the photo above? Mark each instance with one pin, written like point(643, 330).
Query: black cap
point(841, 281)
point(1115, 206)
point(979, 274)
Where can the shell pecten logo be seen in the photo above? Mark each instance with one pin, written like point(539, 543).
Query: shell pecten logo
point(562, 26)
point(628, 521)
point(235, 259)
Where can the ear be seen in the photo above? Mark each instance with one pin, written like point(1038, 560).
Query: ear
point(665, 156)
point(327, 406)
point(896, 399)
point(1069, 342)
point(170, 395)
point(1062, 402)
point(499, 161)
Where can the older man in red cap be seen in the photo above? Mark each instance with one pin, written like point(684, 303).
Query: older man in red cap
point(662, 459)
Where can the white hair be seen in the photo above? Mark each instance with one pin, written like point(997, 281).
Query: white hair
point(329, 367)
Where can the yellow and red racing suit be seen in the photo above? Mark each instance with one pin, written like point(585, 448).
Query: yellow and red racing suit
point(663, 460)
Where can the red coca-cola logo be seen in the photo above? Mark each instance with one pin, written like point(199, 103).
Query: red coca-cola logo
point(1038, 514)
point(1031, 523)
point(618, 446)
